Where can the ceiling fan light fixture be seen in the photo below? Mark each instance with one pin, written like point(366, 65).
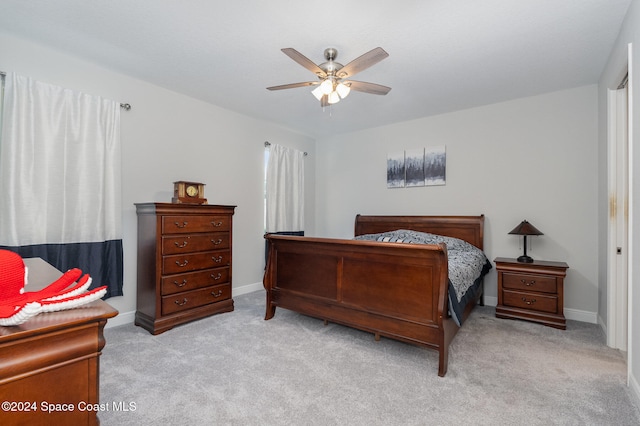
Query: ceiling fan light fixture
point(317, 92)
point(343, 90)
point(327, 86)
point(330, 88)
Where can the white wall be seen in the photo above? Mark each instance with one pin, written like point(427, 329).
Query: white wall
point(609, 80)
point(533, 158)
point(167, 137)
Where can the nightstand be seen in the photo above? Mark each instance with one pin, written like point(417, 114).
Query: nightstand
point(531, 291)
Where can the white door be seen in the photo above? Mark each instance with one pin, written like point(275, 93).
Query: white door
point(617, 309)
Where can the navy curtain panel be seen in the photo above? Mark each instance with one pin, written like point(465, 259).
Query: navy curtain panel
point(101, 260)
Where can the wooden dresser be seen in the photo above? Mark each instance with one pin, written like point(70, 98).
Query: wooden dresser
point(184, 263)
point(49, 366)
point(531, 291)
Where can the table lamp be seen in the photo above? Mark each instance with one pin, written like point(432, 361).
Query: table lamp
point(524, 228)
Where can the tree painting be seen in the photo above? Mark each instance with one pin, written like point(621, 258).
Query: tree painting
point(414, 167)
point(395, 170)
point(435, 165)
point(417, 167)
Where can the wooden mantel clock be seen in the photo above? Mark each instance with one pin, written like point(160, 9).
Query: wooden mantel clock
point(188, 192)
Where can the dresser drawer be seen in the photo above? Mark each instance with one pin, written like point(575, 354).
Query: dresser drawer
point(193, 280)
point(189, 243)
point(529, 282)
point(533, 301)
point(195, 223)
point(179, 263)
point(192, 299)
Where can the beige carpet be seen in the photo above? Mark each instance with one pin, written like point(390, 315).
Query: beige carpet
point(237, 369)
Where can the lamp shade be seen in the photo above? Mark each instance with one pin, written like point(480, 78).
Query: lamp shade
point(318, 93)
point(327, 86)
point(525, 228)
point(333, 98)
point(343, 90)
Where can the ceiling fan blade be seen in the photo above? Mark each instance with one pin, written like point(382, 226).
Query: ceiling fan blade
point(363, 62)
point(294, 85)
point(363, 86)
point(304, 61)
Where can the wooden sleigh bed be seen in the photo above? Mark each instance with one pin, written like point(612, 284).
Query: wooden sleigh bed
point(395, 290)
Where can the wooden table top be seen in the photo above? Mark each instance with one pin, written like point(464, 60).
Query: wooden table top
point(40, 275)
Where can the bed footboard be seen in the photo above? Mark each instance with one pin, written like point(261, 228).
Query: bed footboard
point(393, 290)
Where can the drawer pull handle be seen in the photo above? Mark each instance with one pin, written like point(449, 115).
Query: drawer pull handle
point(216, 294)
point(184, 224)
point(217, 242)
point(528, 283)
point(528, 302)
point(182, 264)
point(217, 259)
point(217, 224)
point(179, 303)
point(182, 284)
point(217, 276)
point(183, 245)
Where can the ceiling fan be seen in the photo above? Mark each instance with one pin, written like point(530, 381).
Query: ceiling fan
point(334, 79)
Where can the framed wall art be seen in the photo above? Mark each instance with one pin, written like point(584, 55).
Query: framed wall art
point(417, 167)
point(395, 170)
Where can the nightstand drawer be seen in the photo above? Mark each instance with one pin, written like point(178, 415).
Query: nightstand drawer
point(532, 301)
point(529, 282)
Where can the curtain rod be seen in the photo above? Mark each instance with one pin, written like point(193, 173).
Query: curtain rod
point(124, 106)
point(267, 144)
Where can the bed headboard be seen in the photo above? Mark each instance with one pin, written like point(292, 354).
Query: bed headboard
point(467, 228)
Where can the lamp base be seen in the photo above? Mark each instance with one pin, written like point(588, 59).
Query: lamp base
point(525, 259)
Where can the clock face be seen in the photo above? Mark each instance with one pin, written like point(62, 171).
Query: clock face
point(192, 191)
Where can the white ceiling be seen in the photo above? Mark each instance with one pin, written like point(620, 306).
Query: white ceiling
point(444, 55)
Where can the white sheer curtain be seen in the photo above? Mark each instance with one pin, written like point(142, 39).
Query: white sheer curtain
point(285, 190)
point(60, 178)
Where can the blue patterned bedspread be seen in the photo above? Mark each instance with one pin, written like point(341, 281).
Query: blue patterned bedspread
point(467, 264)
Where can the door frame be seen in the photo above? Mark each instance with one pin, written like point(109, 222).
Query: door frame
point(612, 293)
point(618, 226)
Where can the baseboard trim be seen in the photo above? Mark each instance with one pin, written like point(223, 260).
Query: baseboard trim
point(249, 288)
point(571, 314)
point(490, 301)
point(124, 318)
point(578, 315)
point(603, 326)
